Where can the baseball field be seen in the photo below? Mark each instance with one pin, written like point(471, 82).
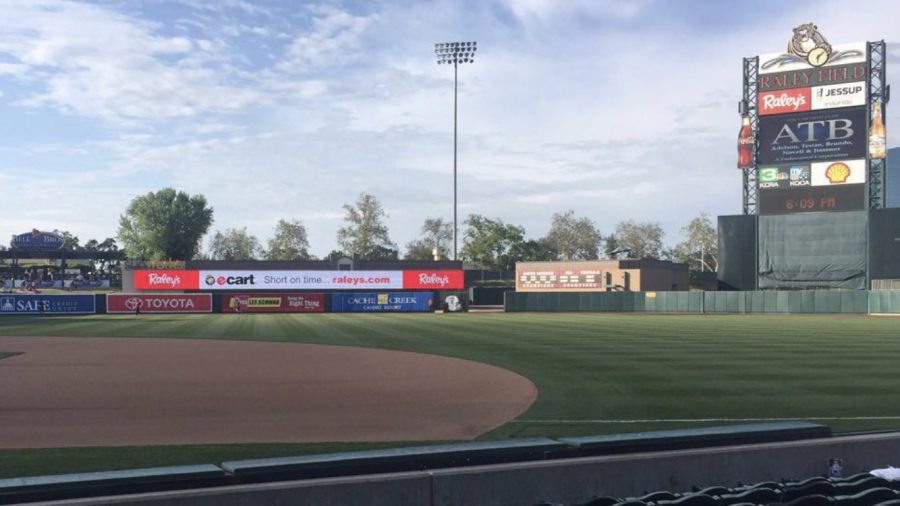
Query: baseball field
point(592, 374)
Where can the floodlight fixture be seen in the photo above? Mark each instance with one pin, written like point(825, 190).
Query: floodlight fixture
point(455, 53)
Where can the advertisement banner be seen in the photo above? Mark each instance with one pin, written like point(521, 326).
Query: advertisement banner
point(158, 303)
point(165, 279)
point(842, 172)
point(382, 302)
point(37, 241)
point(299, 280)
point(20, 304)
point(433, 280)
point(839, 95)
point(784, 176)
point(560, 279)
point(813, 199)
point(837, 134)
point(169, 279)
point(785, 101)
point(273, 302)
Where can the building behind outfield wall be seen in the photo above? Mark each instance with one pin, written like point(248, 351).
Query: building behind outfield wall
point(602, 276)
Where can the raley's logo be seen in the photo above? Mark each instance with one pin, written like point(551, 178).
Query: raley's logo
point(784, 101)
point(166, 280)
point(434, 279)
point(163, 280)
point(437, 279)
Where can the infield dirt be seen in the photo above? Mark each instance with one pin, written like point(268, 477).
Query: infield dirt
point(85, 391)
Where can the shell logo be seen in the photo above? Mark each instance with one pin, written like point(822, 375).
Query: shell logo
point(837, 172)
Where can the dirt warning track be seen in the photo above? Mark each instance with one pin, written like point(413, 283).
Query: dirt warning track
point(78, 391)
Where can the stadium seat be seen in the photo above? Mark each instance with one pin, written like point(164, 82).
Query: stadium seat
point(761, 495)
point(869, 497)
point(806, 488)
point(657, 497)
point(892, 502)
point(631, 502)
point(691, 500)
point(855, 487)
point(811, 500)
point(601, 501)
point(850, 479)
point(714, 491)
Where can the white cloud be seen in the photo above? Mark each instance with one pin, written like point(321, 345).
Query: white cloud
point(335, 39)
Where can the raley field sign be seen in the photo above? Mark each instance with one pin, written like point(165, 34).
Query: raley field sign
point(297, 280)
point(159, 303)
point(273, 303)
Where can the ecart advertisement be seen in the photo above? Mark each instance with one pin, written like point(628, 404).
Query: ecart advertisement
point(382, 302)
point(812, 136)
point(158, 303)
point(16, 304)
point(273, 303)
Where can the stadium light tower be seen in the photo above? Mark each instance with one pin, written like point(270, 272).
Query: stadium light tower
point(455, 53)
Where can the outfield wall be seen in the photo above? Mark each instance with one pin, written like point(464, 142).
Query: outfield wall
point(805, 301)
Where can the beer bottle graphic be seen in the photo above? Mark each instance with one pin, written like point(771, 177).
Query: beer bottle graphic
point(876, 133)
point(745, 143)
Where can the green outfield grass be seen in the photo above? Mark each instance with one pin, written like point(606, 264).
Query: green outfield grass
point(595, 373)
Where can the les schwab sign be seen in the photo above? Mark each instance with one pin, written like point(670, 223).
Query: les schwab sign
point(297, 280)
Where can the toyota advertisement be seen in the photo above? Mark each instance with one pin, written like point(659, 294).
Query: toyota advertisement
point(159, 280)
point(273, 303)
point(382, 302)
point(159, 303)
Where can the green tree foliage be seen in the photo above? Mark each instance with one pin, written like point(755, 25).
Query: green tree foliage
point(365, 233)
point(491, 243)
point(644, 239)
point(573, 238)
point(436, 233)
point(167, 224)
point(234, 244)
point(290, 242)
point(700, 245)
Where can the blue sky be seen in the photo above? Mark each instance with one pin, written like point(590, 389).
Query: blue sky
point(288, 110)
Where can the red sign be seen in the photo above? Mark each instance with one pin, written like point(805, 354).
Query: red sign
point(169, 279)
point(785, 101)
point(433, 280)
point(158, 303)
point(273, 303)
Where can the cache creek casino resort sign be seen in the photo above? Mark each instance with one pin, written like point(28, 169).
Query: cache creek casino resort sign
point(816, 129)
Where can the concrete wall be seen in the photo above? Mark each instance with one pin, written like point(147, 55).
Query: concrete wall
point(568, 481)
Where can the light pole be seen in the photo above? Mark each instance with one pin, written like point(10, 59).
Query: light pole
point(455, 53)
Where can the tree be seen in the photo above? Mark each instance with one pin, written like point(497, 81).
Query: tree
point(610, 246)
point(643, 239)
point(491, 243)
point(70, 242)
point(573, 238)
point(365, 231)
point(234, 244)
point(290, 242)
point(700, 247)
point(164, 225)
point(436, 234)
point(532, 250)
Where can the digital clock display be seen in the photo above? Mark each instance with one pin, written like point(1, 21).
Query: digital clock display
point(851, 197)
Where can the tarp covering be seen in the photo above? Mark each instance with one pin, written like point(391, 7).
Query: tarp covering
point(813, 250)
point(737, 252)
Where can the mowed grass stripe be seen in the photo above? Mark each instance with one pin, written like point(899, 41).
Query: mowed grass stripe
point(637, 372)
